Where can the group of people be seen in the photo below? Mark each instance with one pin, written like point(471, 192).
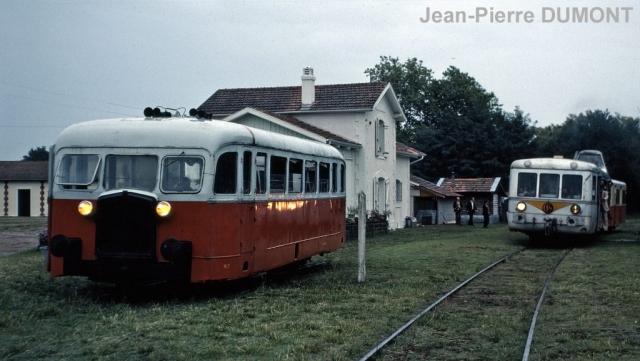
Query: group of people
point(471, 210)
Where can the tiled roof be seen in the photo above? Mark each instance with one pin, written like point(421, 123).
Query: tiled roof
point(306, 126)
point(288, 99)
point(24, 171)
point(400, 147)
point(471, 185)
point(433, 188)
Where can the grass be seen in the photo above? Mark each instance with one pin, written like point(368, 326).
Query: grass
point(319, 313)
point(23, 224)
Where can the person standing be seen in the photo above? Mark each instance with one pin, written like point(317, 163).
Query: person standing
point(485, 213)
point(457, 208)
point(471, 210)
point(603, 223)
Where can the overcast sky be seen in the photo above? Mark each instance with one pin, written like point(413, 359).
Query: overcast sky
point(67, 61)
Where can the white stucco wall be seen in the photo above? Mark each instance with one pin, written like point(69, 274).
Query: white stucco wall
point(9, 198)
point(366, 167)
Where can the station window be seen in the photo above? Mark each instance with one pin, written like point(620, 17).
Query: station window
point(131, 171)
point(182, 174)
point(380, 138)
point(226, 174)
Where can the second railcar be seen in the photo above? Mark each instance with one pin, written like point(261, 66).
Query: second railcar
point(551, 196)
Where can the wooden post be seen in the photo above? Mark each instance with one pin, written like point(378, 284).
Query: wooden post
point(362, 235)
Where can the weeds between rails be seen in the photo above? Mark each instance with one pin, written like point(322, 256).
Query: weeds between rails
point(481, 293)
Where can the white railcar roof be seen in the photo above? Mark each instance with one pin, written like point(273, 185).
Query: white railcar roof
point(553, 163)
point(181, 133)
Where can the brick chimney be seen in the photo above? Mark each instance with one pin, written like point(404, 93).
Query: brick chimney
point(308, 88)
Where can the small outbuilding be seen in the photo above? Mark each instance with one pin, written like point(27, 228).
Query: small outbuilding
point(482, 189)
point(25, 188)
point(432, 204)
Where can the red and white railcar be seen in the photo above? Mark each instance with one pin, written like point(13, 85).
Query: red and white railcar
point(183, 198)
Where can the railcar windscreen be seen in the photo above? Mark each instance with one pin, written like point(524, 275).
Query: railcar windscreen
point(572, 186)
point(131, 171)
point(549, 185)
point(527, 184)
point(182, 174)
point(77, 171)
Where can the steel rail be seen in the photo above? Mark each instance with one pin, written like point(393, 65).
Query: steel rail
point(527, 347)
point(430, 307)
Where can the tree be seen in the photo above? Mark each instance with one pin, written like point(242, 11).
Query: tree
point(459, 124)
point(616, 136)
point(411, 82)
point(40, 153)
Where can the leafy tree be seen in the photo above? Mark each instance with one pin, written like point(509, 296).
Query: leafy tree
point(40, 153)
point(616, 136)
point(411, 82)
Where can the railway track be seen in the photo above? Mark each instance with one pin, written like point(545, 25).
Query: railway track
point(474, 299)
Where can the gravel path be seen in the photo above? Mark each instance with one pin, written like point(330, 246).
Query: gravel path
point(14, 242)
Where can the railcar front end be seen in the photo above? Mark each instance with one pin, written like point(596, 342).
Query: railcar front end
point(549, 196)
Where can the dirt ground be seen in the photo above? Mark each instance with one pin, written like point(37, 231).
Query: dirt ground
point(13, 242)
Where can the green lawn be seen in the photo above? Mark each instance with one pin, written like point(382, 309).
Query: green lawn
point(319, 313)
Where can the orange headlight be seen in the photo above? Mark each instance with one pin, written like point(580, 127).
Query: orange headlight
point(163, 208)
point(85, 208)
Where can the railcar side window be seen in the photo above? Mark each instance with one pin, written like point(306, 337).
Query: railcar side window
point(310, 176)
point(343, 177)
point(247, 161)
point(549, 184)
point(226, 174)
point(334, 177)
point(131, 171)
point(572, 186)
point(277, 173)
point(295, 175)
point(324, 177)
point(261, 173)
point(527, 183)
point(182, 174)
point(78, 171)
